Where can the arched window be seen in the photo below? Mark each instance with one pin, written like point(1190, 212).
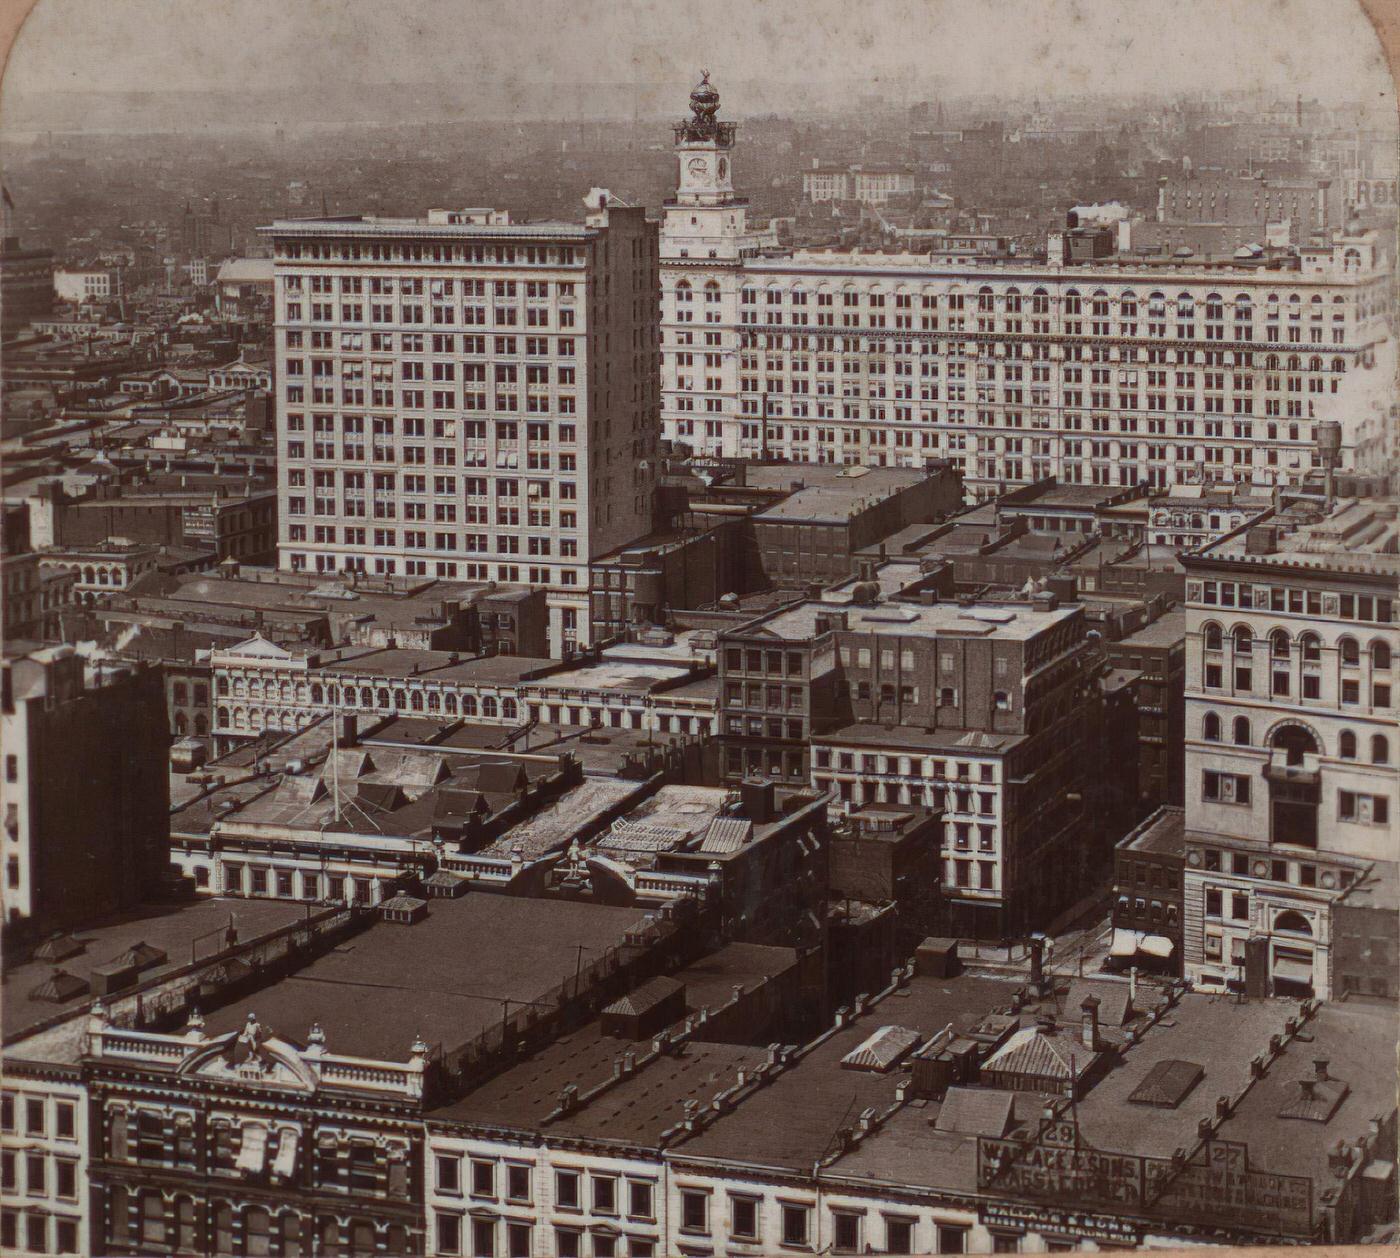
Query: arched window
point(400, 699)
point(488, 706)
point(257, 1232)
point(1210, 728)
point(1296, 741)
point(362, 1238)
point(1244, 639)
point(181, 725)
point(1351, 652)
point(1213, 636)
point(201, 725)
point(434, 701)
point(1279, 644)
point(468, 705)
point(316, 693)
point(508, 709)
point(1312, 647)
point(223, 717)
point(1380, 654)
point(449, 705)
point(367, 697)
point(289, 1227)
point(1346, 745)
point(1380, 749)
point(223, 1228)
point(1291, 920)
point(415, 700)
point(1243, 735)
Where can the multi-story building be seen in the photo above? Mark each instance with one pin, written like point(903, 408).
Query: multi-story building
point(1291, 777)
point(872, 185)
point(1117, 371)
point(74, 854)
point(1222, 196)
point(464, 396)
point(87, 285)
point(985, 712)
point(26, 276)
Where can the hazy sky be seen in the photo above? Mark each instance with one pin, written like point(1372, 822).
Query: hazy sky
point(513, 49)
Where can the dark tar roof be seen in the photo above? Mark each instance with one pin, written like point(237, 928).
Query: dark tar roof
point(791, 1122)
point(444, 978)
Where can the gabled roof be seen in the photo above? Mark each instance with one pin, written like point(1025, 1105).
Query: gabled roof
point(882, 1050)
point(60, 987)
point(1042, 1054)
point(643, 999)
point(260, 648)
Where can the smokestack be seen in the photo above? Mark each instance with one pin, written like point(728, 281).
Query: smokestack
point(1037, 947)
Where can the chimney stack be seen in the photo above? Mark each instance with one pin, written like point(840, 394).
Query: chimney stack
point(1320, 1069)
point(1089, 1008)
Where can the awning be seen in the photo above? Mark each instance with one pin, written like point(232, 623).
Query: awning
point(1125, 942)
point(253, 1149)
point(1293, 967)
point(285, 1163)
point(1156, 945)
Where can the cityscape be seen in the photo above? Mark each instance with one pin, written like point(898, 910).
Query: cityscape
point(650, 633)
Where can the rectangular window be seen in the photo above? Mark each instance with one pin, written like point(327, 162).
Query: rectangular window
point(604, 1194)
point(449, 1173)
point(743, 1218)
point(567, 1242)
point(795, 1225)
point(952, 1240)
point(639, 1200)
point(845, 1231)
point(566, 1190)
point(483, 1238)
point(518, 1240)
point(517, 1182)
point(695, 1211)
point(483, 1178)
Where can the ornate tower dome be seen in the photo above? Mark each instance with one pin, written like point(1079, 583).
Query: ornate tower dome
point(704, 100)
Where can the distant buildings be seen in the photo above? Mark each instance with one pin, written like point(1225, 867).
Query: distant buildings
point(870, 185)
point(468, 398)
point(1112, 372)
point(1219, 196)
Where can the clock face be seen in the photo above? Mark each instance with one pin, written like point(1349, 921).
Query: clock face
point(696, 166)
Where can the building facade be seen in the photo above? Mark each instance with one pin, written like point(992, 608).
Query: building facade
point(1105, 373)
point(461, 396)
point(1291, 709)
point(74, 855)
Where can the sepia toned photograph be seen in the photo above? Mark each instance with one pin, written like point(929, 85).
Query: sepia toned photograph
point(698, 630)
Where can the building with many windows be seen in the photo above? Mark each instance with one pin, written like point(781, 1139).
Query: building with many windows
point(1115, 371)
point(1291, 744)
point(467, 397)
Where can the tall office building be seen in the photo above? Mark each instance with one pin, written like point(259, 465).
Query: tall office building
point(466, 397)
point(1112, 371)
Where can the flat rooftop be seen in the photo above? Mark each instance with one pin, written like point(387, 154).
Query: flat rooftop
point(444, 978)
point(173, 929)
point(1361, 535)
point(952, 739)
point(798, 622)
point(1169, 629)
point(380, 226)
point(791, 1122)
point(841, 499)
point(611, 674)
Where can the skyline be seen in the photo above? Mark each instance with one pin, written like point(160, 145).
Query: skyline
point(328, 54)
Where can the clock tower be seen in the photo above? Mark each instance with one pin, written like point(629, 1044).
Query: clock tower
point(705, 218)
point(705, 243)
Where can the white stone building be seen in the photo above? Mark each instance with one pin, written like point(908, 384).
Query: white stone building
point(1291, 752)
point(1113, 372)
point(467, 397)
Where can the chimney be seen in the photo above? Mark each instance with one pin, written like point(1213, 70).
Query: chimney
point(349, 729)
point(757, 797)
point(1261, 539)
point(1309, 1087)
point(1037, 947)
point(1320, 1069)
point(1089, 1009)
